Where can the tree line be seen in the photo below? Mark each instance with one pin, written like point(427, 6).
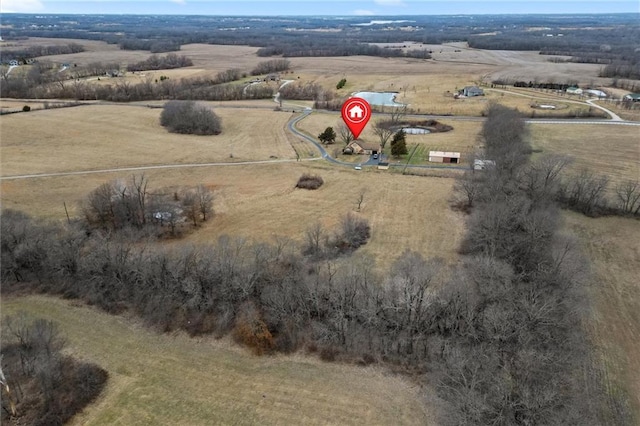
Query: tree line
point(155, 62)
point(37, 51)
point(321, 47)
point(42, 82)
point(515, 350)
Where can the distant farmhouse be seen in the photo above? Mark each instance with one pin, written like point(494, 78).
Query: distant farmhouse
point(444, 157)
point(574, 90)
point(13, 63)
point(633, 97)
point(471, 91)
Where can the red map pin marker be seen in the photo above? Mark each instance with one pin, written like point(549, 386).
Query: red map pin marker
point(356, 112)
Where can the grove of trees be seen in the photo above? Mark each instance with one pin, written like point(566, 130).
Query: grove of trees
point(123, 204)
point(188, 117)
point(40, 384)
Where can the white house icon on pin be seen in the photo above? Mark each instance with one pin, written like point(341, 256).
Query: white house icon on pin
point(356, 112)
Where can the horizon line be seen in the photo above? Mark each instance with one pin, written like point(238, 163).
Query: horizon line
point(327, 15)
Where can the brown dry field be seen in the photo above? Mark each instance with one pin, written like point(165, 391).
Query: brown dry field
point(624, 113)
point(480, 64)
point(612, 247)
point(607, 149)
point(174, 379)
point(259, 202)
point(109, 136)
point(433, 94)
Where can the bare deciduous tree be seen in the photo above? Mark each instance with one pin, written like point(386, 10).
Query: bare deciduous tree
point(541, 179)
point(205, 201)
point(628, 196)
point(345, 134)
point(315, 239)
point(585, 191)
point(398, 113)
point(383, 130)
point(469, 187)
point(360, 199)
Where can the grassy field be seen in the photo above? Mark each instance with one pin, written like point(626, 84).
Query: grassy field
point(109, 136)
point(260, 202)
point(612, 246)
point(606, 149)
point(173, 379)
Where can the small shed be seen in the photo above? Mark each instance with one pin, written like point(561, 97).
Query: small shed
point(444, 157)
point(483, 164)
point(633, 97)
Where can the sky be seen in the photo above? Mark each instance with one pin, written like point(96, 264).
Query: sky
point(317, 7)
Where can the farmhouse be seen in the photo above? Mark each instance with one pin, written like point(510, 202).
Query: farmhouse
point(272, 77)
point(444, 157)
point(360, 147)
point(574, 90)
point(470, 91)
point(633, 97)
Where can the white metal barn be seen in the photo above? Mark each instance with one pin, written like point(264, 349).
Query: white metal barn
point(444, 157)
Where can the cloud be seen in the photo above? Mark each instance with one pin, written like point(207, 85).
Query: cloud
point(390, 2)
point(20, 6)
point(183, 2)
point(363, 12)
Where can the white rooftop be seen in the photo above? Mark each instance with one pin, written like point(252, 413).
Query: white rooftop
point(444, 154)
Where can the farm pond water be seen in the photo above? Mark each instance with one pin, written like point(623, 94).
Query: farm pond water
point(415, 130)
point(379, 98)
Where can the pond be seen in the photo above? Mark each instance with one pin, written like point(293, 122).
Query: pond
point(379, 98)
point(415, 130)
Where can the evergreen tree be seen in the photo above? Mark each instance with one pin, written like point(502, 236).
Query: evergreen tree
point(328, 136)
point(399, 144)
